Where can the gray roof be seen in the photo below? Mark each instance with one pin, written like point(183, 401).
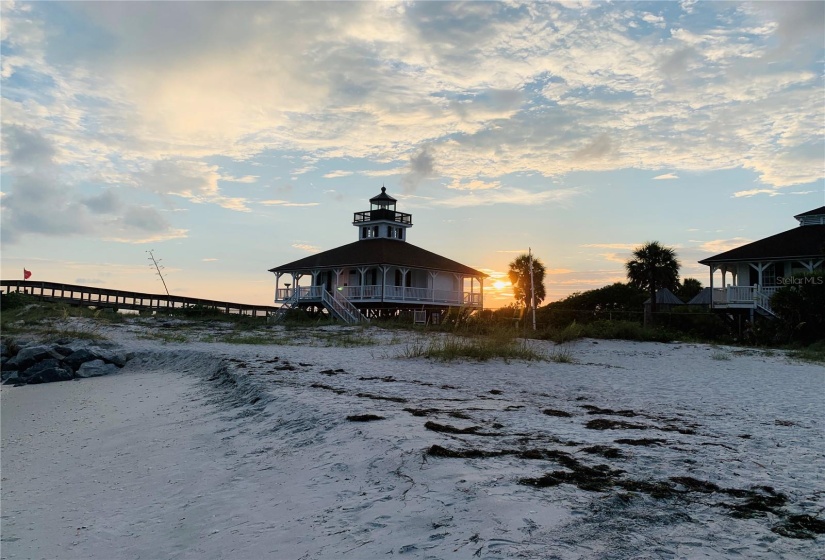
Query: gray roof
point(667, 297)
point(378, 252)
point(815, 212)
point(801, 242)
point(702, 298)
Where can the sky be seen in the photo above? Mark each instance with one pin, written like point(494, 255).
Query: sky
point(232, 137)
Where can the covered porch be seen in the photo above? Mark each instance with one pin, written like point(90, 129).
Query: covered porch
point(380, 286)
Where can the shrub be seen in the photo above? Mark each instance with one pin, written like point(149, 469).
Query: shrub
point(16, 300)
point(626, 330)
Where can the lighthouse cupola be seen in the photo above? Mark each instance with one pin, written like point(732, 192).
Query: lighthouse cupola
point(382, 221)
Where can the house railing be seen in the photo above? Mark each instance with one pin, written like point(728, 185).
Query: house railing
point(390, 294)
point(342, 307)
point(744, 296)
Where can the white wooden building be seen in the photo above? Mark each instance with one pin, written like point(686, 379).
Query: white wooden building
point(380, 274)
point(753, 272)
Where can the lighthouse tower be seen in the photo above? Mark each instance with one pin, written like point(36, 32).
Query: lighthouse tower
point(382, 221)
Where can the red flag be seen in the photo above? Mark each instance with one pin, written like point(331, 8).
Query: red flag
point(26, 274)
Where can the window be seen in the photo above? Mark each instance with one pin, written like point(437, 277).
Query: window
point(769, 276)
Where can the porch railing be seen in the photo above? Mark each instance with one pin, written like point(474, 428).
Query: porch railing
point(342, 307)
point(744, 296)
point(387, 293)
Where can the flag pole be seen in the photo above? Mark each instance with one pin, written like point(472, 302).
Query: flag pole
point(532, 287)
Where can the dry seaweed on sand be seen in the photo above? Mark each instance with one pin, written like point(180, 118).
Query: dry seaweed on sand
point(640, 441)
point(364, 417)
point(800, 527)
point(381, 397)
point(605, 424)
point(558, 413)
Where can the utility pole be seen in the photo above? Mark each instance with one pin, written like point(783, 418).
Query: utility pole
point(156, 262)
point(532, 287)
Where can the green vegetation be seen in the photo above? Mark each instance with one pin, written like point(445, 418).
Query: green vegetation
point(652, 268)
point(526, 284)
point(688, 289)
point(812, 353)
point(720, 355)
point(800, 305)
point(605, 313)
point(499, 344)
point(22, 313)
point(562, 355)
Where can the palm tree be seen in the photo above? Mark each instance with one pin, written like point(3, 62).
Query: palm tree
point(652, 268)
point(519, 276)
point(688, 289)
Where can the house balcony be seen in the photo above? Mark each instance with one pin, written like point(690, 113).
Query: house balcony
point(384, 294)
point(744, 297)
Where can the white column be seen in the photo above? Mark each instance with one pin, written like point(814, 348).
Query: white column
point(432, 284)
point(384, 269)
point(712, 269)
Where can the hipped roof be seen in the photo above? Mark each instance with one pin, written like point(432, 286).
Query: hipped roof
point(667, 297)
point(802, 242)
point(815, 212)
point(378, 252)
point(702, 298)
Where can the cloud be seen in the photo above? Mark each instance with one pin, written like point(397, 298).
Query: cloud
point(722, 245)
point(508, 195)
point(27, 148)
point(106, 202)
point(420, 90)
point(306, 247)
point(598, 148)
point(248, 179)
point(209, 260)
point(421, 167)
point(620, 258)
point(337, 173)
point(194, 180)
point(666, 176)
point(384, 172)
point(754, 192)
point(473, 185)
point(625, 246)
point(287, 203)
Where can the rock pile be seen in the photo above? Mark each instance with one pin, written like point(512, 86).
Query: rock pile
point(62, 361)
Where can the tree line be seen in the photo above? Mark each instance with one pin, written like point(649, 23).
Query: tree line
point(799, 305)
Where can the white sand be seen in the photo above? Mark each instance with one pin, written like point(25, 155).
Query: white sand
point(171, 459)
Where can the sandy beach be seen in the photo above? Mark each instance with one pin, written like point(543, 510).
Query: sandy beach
point(307, 449)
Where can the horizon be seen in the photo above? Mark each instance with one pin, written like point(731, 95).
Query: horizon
point(233, 138)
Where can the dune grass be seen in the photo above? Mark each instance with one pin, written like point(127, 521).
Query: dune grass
point(498, 344)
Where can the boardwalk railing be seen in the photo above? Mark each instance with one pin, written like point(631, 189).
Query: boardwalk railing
point(120, 299)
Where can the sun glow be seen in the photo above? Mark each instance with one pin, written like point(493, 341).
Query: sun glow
point(500, 284)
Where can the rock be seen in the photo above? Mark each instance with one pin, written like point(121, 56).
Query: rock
point(6, 372)
point(30, 355)
point(79, 357)
point(96, 368)
point(63, 350)
point(47, 371)
point(113, 357)
point(11, 379)
point(5, 351)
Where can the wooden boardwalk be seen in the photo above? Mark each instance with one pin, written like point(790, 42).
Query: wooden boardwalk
point(120, 299)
